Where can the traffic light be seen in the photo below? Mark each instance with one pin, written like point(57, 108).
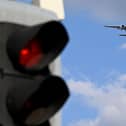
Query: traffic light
point(31, 90)
point(30, 51)
point(40, 105)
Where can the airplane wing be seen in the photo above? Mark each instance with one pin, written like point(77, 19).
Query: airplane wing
point(122, 35)
point(109, 26)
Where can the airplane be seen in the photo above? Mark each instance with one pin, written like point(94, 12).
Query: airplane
point(121, 27)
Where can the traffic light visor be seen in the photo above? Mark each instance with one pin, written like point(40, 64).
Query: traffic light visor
point(33, 48)
point(41, 104)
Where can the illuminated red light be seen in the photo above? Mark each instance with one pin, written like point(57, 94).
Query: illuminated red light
point(24, 52)
point(31, 54)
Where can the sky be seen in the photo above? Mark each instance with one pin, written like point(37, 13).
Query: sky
point(93, 63)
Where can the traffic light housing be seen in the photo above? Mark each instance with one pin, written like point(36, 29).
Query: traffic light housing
point(30, 51)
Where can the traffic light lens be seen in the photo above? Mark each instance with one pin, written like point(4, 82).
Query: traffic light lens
point(31, 54)
point(24, 52)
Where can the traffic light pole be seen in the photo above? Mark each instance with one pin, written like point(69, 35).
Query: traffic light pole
point(55, 67)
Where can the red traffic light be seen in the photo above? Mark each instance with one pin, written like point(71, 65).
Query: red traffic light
point(32, 49)
point(31, 54)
